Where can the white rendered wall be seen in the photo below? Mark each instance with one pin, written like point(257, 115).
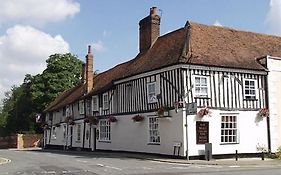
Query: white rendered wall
point(127, 135)
point(251, 132)
point(274, 90)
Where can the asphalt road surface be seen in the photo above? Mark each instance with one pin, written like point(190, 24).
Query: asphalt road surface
point(50, 163)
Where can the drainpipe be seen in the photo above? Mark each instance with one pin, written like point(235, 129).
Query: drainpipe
point(267, 106)
point(85, 115)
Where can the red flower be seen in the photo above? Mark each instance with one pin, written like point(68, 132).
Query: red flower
point(263, 112)
point(138, 118)
point(203, 111)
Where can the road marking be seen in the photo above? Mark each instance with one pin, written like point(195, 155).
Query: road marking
point(234, 166)
point(83, 161)
point(112, 167)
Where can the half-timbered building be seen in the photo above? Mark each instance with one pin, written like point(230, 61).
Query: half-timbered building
point(193, 86)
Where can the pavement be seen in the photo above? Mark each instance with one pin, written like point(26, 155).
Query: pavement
point(242, 162)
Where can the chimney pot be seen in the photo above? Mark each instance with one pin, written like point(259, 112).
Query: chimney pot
point(153, 11)
point(89, 48)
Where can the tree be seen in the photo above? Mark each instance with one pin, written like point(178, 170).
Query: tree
point(63, 72)
point(22, 103)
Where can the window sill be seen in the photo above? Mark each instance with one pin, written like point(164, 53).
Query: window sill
point(202, 98)
point(105, 141)
point(153, 144)
point(254, 99)
point(229, 143)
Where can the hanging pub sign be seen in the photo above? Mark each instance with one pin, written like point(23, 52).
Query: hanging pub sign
point(191, 108)
point(202, 132)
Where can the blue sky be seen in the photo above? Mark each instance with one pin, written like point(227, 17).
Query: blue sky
point(31, 30)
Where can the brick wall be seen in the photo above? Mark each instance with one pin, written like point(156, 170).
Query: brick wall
point(8, 142)
point(20, 141)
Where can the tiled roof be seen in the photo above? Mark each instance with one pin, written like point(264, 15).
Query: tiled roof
point(193, 44)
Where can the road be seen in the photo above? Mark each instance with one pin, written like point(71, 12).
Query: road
point(54, 163)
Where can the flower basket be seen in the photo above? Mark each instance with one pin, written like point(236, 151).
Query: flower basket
point(71, 122)
point(112, 119)
point(203, 111)
point(264, 112)
point(45, 126)
point(92, 120)
point(68, 119)
point(163, 112)
point(138, 118)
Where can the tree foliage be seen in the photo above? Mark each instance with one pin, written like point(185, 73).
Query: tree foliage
point(21, 104)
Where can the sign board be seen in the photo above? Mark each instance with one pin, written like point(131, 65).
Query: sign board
point(177, 144)
point(202, 132)
point(191, 108)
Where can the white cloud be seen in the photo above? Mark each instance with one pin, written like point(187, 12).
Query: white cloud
point(217, 23)
point(37, 11)
point(98, 46)
point(274, 17)
point(24, 50)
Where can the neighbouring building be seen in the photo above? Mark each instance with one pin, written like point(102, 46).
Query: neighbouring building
point(198, 84)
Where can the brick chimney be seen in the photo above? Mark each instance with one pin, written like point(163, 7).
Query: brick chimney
point(89, 70)
point(149, 30)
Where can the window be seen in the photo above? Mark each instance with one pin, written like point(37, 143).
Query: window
point(105, 101)
point(201, 86)
point(249, 89)
point(64, 131)
point(68, 110)
point(81, 106)
point(104, 133)
point(95, 103)
point(63, 111)
point(151, 92)
point(78, 133)
point(229, 129)
point(54, 133)
point(154, 136)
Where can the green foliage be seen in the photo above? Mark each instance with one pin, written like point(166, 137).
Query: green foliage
point(278, 153)
point(21, 104)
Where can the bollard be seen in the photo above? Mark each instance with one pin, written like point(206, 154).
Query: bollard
point(236, 155)
point(262, 155)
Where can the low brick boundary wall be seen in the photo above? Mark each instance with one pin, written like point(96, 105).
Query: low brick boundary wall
point(21, 141)
point(8, 142)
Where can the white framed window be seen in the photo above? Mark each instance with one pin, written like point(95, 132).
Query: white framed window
point(54, 133)
point(78, 138)
point(250, 89)
point(105, 101)
point(81, 107)
point(151, 92)
point(104, 130)
point(95, 103)
point(153, 125)
point(229, 132)
point(201, 86)
point(68, 110)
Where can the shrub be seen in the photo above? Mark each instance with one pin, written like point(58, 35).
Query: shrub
point(278, 153)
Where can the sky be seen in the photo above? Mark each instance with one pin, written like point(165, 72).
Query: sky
point(31, 30)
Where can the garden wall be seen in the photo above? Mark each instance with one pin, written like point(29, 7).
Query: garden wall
point(20, 141)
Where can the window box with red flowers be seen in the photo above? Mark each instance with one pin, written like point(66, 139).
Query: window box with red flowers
point(112, 119)
point(92, 120)
point(138, 118)
point(202, 112)
point(163, 112)
point(264, 112)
